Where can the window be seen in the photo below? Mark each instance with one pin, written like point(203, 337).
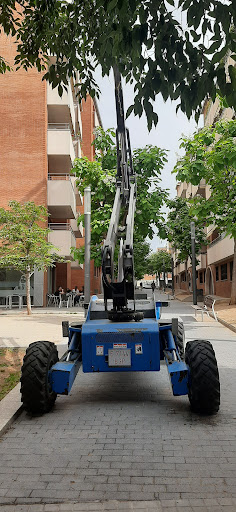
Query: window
point(223, 272)
point(201, 277)
point(217, 273)
point(96, 271)
point(231, 270)
point(183, 276)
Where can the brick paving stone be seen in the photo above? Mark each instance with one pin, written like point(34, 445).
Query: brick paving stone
point(90, 507)
point(198, 509)
point(226, 501)
point(51, 508)
point(168, 503)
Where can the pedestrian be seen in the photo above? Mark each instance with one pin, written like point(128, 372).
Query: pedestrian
point(153, 286)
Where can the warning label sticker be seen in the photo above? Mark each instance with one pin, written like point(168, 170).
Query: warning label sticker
point(119, 345)
point(99, 350)
point(138, 348)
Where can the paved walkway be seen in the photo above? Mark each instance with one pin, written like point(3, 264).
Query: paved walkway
point(19, 330)
point(123, 442)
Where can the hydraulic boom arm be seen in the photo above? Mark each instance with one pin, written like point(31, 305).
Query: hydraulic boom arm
point(121, 289)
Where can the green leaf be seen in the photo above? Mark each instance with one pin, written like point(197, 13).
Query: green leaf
point(219, 55)
point(129, 111)
point(111, 4)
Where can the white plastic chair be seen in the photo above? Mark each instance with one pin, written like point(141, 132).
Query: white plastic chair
point(64, 300)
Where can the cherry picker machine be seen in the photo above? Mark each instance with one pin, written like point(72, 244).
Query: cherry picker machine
point(121, 333)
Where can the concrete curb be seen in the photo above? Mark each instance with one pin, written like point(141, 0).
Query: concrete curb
point(10, 408)
point(230, 326)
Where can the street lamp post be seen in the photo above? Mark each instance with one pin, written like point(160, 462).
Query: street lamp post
point(192, 224)
point(164, 275)
point(87, 243)
point(173, 277)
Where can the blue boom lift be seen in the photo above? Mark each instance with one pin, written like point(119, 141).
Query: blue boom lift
point(123, 332)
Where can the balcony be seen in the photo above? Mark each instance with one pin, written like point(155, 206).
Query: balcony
point(61, 109)
point(201, 188)
point(79, 121)
point(181, 267)
point(61, 197)
point(62, 236)
point(77, 229)
point(202, 261)
point(181, 189)
point(78, 196)
point(61, 153)
point(221, 248)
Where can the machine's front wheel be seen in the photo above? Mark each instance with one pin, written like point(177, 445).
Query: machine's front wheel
point(204, 384)
point(36, 393)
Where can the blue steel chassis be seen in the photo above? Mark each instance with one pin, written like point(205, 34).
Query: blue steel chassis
point(99, 343)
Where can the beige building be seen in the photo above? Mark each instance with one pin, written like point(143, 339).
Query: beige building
point(215, 268)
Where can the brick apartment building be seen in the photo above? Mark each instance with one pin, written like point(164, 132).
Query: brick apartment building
point(40, 136)
point(215, 268)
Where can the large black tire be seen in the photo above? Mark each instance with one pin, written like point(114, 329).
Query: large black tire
point(204, 384)
point(36, 393)
point(180, 340)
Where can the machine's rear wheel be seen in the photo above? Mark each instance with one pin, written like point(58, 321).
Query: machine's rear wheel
point(180, 340)
point(204, 384)
point(37, 395)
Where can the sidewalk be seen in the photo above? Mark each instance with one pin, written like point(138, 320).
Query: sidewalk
point(226, 313)
point(19, 330)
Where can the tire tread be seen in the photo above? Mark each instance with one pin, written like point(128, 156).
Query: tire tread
point(36, 394)
point(204, 387)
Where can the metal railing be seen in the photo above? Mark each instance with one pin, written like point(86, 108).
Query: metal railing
point(220, 237)
point(60, 226)
point(58, 176)
point(61, 177)
point(59, 126)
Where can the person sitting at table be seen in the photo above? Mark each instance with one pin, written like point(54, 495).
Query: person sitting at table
point(59, 291)
point(77, 295)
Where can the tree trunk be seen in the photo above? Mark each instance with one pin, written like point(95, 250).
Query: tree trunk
point(233, 285)
point(27, 276)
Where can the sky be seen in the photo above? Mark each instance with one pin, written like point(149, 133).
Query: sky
point(166, 134)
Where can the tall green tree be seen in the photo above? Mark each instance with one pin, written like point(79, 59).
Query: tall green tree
point(211, 155)
point(23, 241)
point(178, 229)
point(153, 48)
point(141, 252)
point(159, 262)
point(100, 175)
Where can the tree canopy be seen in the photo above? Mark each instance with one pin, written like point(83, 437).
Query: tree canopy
point(211, 156)
point(178, 228)
point(101, 176)
point(159, 262)
point(24, 244)
point(173, 47)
